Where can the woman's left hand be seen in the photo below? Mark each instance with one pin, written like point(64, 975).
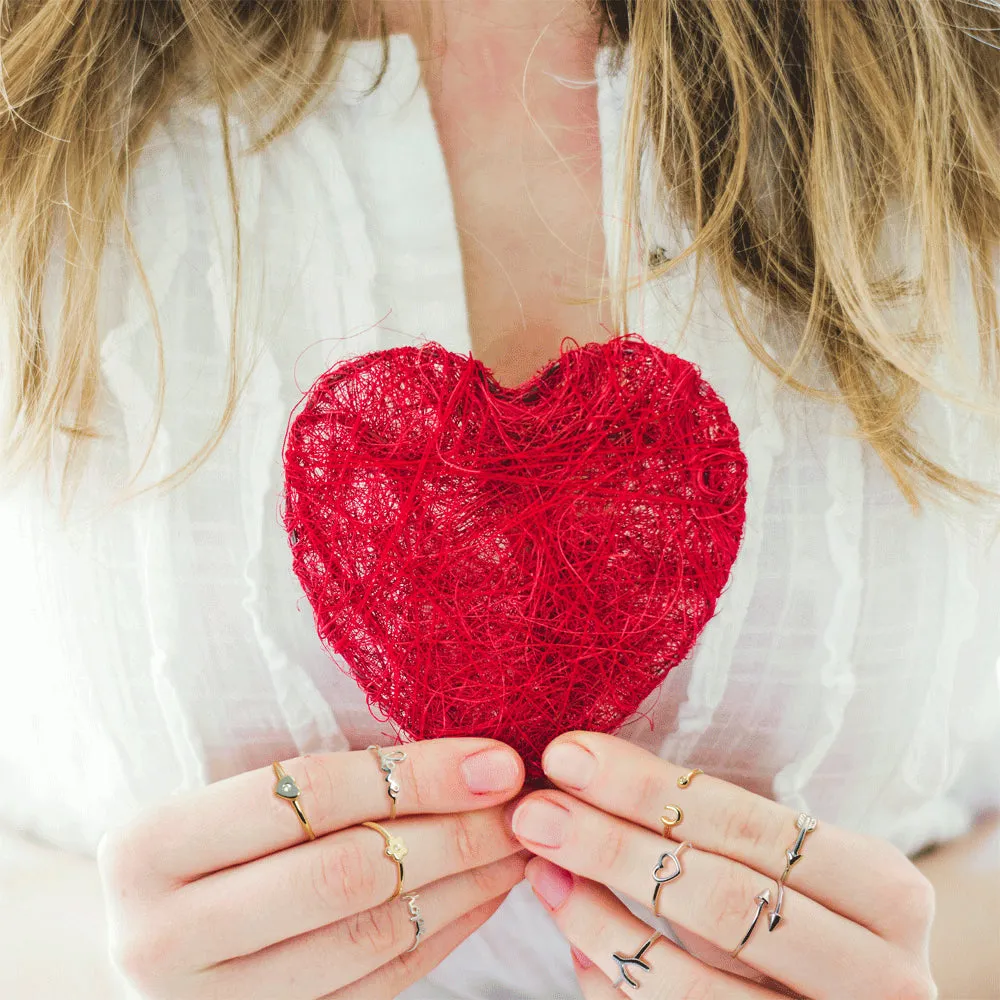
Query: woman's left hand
point(855, 917)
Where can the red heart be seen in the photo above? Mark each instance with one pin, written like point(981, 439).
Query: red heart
point(513, 563)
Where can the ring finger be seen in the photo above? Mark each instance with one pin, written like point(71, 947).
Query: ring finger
point(304, 967)
point(246, 908)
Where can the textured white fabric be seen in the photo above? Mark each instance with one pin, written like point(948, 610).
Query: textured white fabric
point(163, 643)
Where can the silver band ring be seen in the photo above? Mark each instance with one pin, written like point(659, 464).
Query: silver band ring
point(805, 824)
point(762, 899)
point(667, 868)
point(416, 918)
point(623, 961)
point(387, 761)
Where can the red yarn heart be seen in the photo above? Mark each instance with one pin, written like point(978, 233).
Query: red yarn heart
point(513, 563)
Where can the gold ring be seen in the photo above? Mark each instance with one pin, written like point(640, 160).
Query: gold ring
point(685, 779)
point(287, 789)
point(672, 816)
point(395, 851)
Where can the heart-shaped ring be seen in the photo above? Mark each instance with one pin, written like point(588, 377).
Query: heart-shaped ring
point(287, 788)
point(662, 873)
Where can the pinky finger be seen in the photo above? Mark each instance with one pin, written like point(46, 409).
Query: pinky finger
point(391, 979)
point(593, 983)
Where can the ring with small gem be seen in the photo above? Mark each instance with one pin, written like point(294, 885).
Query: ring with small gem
point(286, 788)
point(395, 851)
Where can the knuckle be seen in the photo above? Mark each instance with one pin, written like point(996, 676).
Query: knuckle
point(916, 898)
point(468, 840)
point(610, 849)
point(344, 877)
point(730, 900)
point(650, 786)
point(413, 965)
point(907, 899)
point(906, 983)
point(145, 954)
point(578, 921)
point(700, 988)
point(490, 881)
point(421, 786)
point(754, 828)
point(313, 773)
point(113, 854)
point(125, 859)
point(374, 931)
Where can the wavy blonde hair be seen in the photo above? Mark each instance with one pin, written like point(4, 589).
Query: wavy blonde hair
point(835, 108)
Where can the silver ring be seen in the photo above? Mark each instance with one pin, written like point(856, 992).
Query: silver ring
point(622, 961)
point(416, 919)
point(762, 899)
point(664, 873)
point(387, 761)
point(805, 824)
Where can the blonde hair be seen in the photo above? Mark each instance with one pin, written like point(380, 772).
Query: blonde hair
point(834, 108)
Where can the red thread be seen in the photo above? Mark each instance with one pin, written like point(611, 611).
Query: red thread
point(513, 563)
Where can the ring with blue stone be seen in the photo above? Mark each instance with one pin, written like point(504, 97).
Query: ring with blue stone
point(286, 789)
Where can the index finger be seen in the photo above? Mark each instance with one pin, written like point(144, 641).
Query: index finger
point(239, 819)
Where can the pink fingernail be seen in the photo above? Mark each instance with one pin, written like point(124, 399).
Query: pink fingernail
point(551, 883)
point(580, 958)
point(570, 764)
point(491, 771)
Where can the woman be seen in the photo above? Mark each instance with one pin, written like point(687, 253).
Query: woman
point(806, 206)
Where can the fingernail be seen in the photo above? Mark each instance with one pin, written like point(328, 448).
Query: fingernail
point(570, 764)
point(491, 771)
point(551, 883)
point(579, 957)
point(541, 821)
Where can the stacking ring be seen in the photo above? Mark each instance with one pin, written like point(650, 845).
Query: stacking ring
point(387, 761)
point(624, 961)
point(805, 824)
point(416, 919)
point(286, 789)
point(762, 899)
point(664, 872)
point(395, 851)
point(685, 779)
point(672, 816)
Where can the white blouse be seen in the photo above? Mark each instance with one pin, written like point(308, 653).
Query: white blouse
point(157, 644)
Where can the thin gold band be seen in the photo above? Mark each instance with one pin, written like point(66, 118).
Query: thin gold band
point(286, 788)
point(395, 851)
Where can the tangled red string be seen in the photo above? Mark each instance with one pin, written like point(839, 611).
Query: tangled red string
point(513, 563)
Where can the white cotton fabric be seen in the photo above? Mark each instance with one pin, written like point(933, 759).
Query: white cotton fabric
point(159, 644)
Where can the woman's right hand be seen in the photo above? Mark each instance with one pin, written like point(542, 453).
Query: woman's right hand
point(219, 894)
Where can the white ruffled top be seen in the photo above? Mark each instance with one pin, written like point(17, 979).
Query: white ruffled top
point(159, 644)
